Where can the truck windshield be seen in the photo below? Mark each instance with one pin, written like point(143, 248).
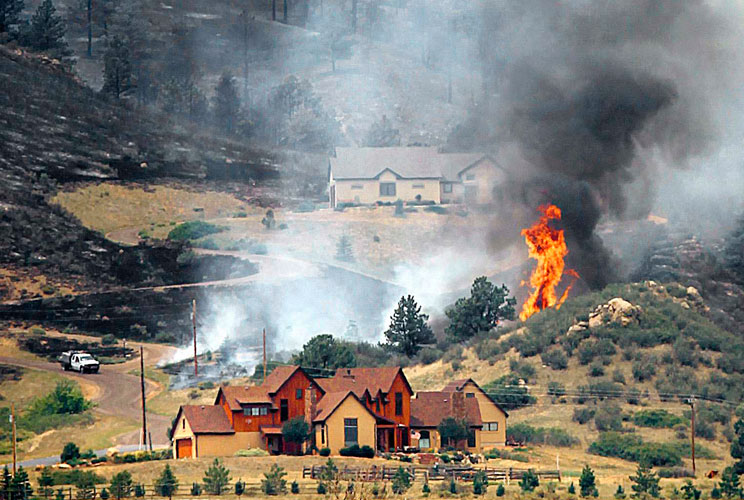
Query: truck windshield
point(85, 357)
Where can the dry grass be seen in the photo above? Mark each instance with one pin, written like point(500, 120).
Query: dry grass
point(28, 283)
point(110, 206)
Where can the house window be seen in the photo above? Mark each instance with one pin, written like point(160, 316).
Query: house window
point(399, 403)
point(490, 426)
point(357, 186)
point(425, 440)
point(351, 432)
point(447, 187)
point(283, 410)
point(183, 423)
point(387, 189)
point(471, 439)
point(470, 395)
point(418, 186)
point(322, 435)
point(377, 405)
point(298, 394)
point(470, 177)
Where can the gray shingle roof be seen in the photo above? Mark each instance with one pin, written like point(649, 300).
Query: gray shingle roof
point(406, 162)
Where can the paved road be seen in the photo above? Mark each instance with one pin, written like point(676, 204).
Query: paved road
point(99, 453)
point(117, 392)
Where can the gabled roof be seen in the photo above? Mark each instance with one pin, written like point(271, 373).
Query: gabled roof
point(459, 384)
point(405, 162)
point(363, 380)
point(206, 419)
point(331, 401)
point(428, 409)
point(278, 377)
point(238, 394)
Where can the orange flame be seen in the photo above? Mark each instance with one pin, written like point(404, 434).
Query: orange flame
point(548, 247)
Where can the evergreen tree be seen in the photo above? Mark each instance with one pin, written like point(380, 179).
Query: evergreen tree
point(344, 251)
point(382, 134)
point(645, 482)
point(587, 482)
point(689, 492)
point(324, 351)
point(121, 485)
point(401, 481)
point(452, 431)
point(117, 68)
point(480, 483)
point(620, 492)
point(529, 481)
point(46, 33)
point(216, 478)
point(571, 489)
point(167, 484)
point(408, 329)
point(7, 478)
point(296, 431)
point(239, 488)
point(729, 484)
point(483, 310)
point(195, 489)
point(737, 446)
point(226, 107)
point(20, 486)
point(500, 490)
point(274, 482)
point(46, 481)
point(85, 486)
point(10, 11)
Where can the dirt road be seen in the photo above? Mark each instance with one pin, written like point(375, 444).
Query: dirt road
point(117, 392)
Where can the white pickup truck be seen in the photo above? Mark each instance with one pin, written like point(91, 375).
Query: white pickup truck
point(79, 361)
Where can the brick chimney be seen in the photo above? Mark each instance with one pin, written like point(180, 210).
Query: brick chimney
point(458, 405)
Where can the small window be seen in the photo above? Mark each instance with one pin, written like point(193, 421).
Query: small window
point(425, 440)
point(387, 189)
point(418, 186)
point(255, 411)
point(447, 187)
point(322, 435)
point(470, 395)
point(491, 426)
point(351, 432)
point(357, 186)
point(298, 394)
point(470, 177)
point(183, 423)
point(399, 403)
point(264, 411)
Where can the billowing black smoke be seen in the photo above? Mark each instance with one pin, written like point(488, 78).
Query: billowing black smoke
point(578, 90)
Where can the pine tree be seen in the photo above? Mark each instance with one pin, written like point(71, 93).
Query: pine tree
point(166, 484)
point(689, 492)
point(226, 106)
point(344, 251)
point(216, 478)
point(139, 35)
point(46, 33)
point(408, 328)
point(729, 484)
point(571, 489)
point(46, 481)
point(645, 482)
point(620, 492)
point(737, 446)
point(10, 11)
point(587, 482)
point(483, 310)
point(121, 485)
point(6, 480)
point(20, 485)
point(117, 68)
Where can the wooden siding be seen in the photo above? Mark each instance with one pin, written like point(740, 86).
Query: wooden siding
point(296, 406)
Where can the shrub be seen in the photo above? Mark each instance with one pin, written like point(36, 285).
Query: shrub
point(324, 452)
point(523, 369)
point(596, 370)
point(356, 451)
point(555, 358)
point(571, 489)
point(618, 377)
point(216, 478)
point(552, 436)
point(556, 389)
point(644, 368)
point(583, 415)
point(500, 490)
point(587, 482)
point(321, 489)
point(196, 490)
point(608, 418)
point(480, 483)
point(437, 209)
point(108, 339)
point(401, 481)
point(294, 487)
point(139, 490)
point(252, 452)
point(193, 230)
point(510, 395)
point(674, 472)
point(656, 419)
point(70, 452)
point(631, 447)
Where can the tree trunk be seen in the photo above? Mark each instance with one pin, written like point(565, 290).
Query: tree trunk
point(273, 10)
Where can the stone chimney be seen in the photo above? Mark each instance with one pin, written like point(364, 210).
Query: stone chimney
point(311, 404)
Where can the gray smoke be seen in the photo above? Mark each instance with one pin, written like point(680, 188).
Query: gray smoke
point(597, 98)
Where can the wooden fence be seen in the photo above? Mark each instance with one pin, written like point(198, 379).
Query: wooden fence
point(434, 473)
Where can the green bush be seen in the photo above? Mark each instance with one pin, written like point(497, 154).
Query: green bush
point(657, 419)
point(552, 436)
point(631, 447)
point(356, 451)
point(324, 452)
point(70, 452)
point(608, 418)
point(108, 339)
point(555, 358)
point(508, 393)
point(529, 481)
point(193, 230)
point(583, 415)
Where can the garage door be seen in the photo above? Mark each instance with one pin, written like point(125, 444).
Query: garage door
point(183, 448)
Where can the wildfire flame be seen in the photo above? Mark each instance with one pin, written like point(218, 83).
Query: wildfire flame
point(548, 247)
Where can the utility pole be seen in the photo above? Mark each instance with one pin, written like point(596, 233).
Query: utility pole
point(264, 354)
point(13, 421)
point(691, 402)
point(142, 386)
point(193, 323)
